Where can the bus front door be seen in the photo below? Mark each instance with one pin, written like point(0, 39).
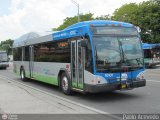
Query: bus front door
point(77, 65)
point(31, 61)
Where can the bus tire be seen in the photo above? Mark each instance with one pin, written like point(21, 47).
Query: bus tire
point(22, 74)
point(65, 84)
point(5, 68)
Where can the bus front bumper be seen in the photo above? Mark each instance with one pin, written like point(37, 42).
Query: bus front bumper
point(114, 86)
point(2, 65)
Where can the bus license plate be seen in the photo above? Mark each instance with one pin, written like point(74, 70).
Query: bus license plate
point(123, 86)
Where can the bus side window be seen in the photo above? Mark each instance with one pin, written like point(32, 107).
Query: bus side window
point(17, 54)
point(26, 58)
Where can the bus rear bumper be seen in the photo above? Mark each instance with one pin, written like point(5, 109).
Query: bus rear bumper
point(4, 65)
point(114, 86)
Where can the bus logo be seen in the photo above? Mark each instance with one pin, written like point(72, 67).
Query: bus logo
point(73, 32)
point(109, 75)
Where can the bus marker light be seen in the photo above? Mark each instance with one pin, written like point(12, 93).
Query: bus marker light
point(123, 86)
point(67, 66)
point(91, 25)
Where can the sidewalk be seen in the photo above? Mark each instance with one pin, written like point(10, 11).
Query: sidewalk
point(19, 99)
point(21, 102)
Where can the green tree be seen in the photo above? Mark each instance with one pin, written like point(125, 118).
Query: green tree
point(7, 46)
point(72, 20)
point(103, 17)
point(146, 15)
point(127, 13)
point(149, 12)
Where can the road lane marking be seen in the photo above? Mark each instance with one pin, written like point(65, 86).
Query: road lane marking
point(64, 99)
point(153, 81)
point(152, 69)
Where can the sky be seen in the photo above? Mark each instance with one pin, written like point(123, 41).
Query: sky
point(18, 17)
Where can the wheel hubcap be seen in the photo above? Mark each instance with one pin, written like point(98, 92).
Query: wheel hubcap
point(65, 83)
point(22, 75)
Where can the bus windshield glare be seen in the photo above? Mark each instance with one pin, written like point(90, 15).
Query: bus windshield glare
point(114, 52)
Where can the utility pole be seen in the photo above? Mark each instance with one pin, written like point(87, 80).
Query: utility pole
point(77, 4)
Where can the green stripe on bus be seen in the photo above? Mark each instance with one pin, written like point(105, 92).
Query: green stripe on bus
point(80, 86)
point(74, 85)
point(27, 74)
point(46, 79)
point(17, 72)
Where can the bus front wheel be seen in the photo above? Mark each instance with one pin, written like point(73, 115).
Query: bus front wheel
point(22, 74)
point(65, 84)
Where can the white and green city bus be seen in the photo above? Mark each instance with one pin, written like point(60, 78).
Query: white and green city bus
point(151, 54)
point(3, 60)
point(90, 56)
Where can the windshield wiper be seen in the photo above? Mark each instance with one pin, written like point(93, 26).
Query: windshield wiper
point(124, 56)
point(138, 61)
point(133, 66)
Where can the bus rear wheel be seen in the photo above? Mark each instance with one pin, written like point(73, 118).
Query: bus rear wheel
point(22, 74)
point(65, 84)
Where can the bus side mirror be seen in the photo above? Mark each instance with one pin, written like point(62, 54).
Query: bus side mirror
point(84, 42)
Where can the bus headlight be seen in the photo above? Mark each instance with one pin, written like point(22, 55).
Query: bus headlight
point(140, 76)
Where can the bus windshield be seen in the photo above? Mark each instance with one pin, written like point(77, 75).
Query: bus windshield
point(114, 52)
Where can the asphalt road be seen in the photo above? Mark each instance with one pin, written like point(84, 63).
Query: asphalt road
point(139, 100)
